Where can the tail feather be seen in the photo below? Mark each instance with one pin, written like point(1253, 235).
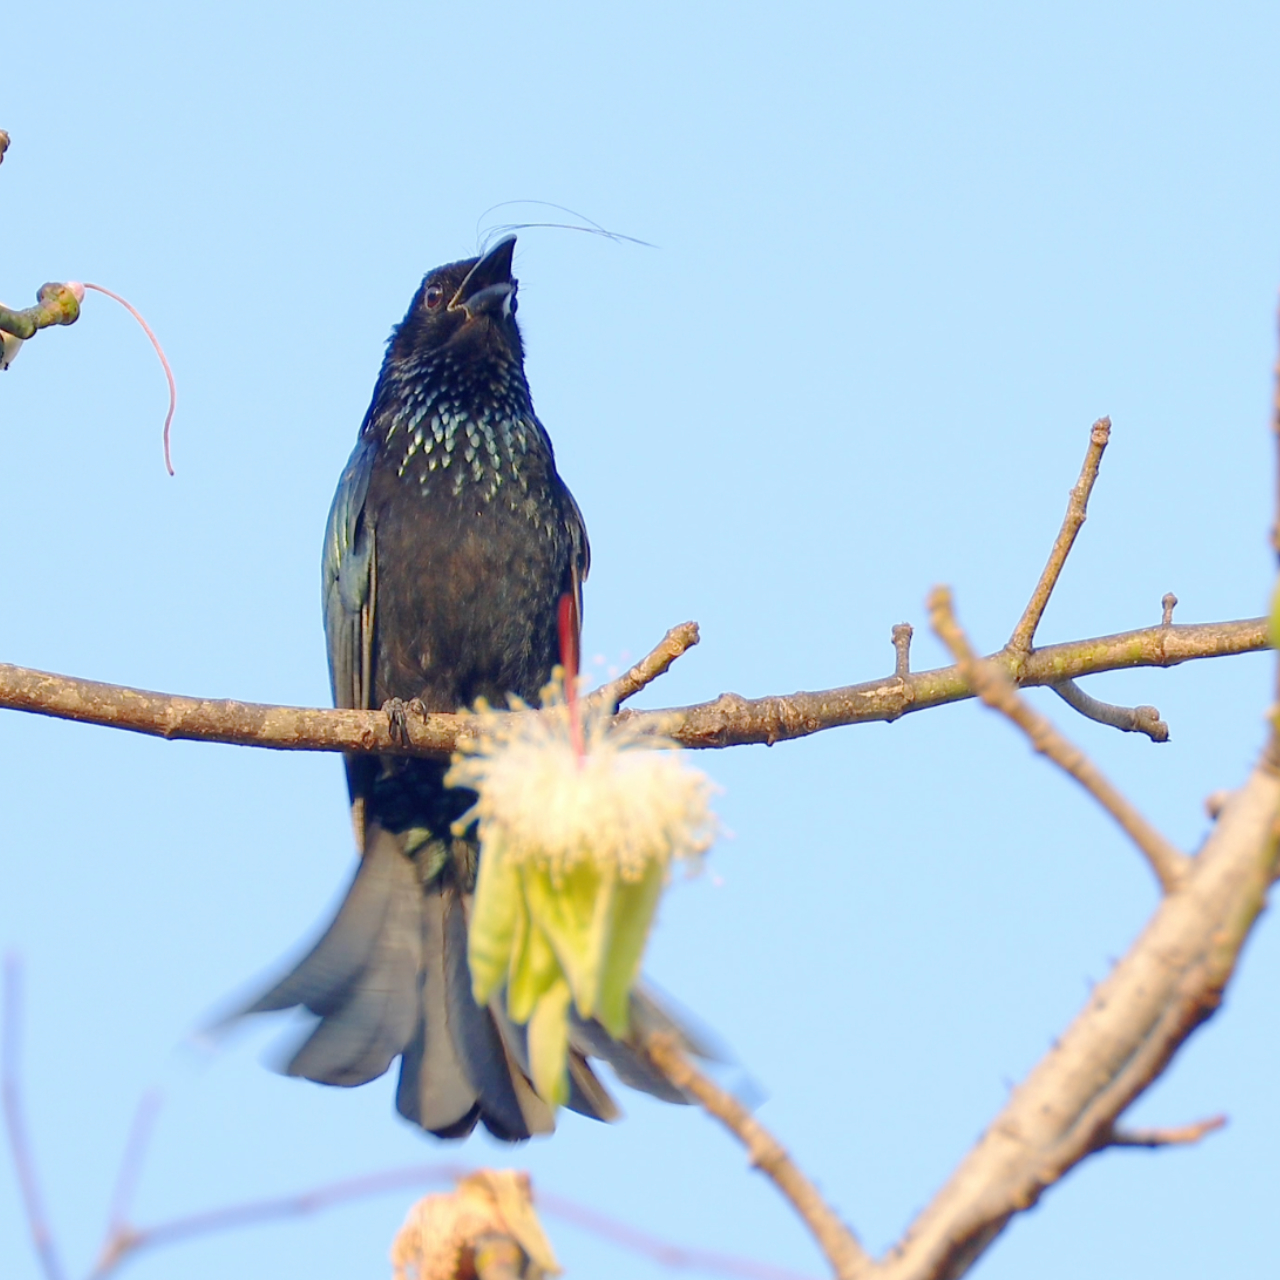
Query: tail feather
point(587, 1096)
point(390, 978)
point(435, 1091)
point(539, 1116)
point(630, 1063)
point(357, 1039)
point(322, 979)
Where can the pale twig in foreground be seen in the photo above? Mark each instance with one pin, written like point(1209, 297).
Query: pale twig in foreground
point(847, 1257)
point(657, 662)
point(15, 1123)
point(664, 1252)
point(124, 1241)
point(127, 1242)
point(130, 1241)
point(1126, 719)
point(998, 691)
point(135, 1153)
point(1077, 511)
point(1181, 1136)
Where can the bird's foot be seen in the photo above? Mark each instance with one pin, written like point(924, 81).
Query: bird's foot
point(397, 713)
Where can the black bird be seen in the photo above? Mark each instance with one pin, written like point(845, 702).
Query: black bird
point(451, 543)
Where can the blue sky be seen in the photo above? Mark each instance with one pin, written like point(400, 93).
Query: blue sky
point(905, 256)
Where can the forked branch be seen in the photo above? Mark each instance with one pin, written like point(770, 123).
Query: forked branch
point(995, 688)
point(1077, 512)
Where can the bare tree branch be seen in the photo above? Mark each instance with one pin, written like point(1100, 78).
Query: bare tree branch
point(1077, 509)
point(1126, 719)
point(847, 1257)
point(729, 721)
point(1171, 980)
point(998, 691)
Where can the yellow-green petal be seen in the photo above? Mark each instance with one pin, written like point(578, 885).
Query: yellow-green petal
point(562, 906)
point(534, 968)
point(633, 908)
point(495, 915)
point(549, 1044)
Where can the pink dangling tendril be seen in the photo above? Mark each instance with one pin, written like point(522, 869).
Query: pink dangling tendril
point(155, 342)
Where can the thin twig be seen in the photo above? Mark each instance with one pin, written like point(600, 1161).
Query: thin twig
point(675, 1256)
point(728, 721)
point(1127, 719)
point(15, 1124)
point(847, 1257)
point(998, 691)
point(1181, 1136)
point(133, 1240)
point(1168, 603)
point(1077, 509)
point(127, 1242)
point(135, 1153)
point(902, 633)
point(657, 662)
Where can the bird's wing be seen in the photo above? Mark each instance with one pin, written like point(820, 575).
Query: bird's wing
point(579, 567)
point(349, 584)
point(577, 527)
point(350, 589)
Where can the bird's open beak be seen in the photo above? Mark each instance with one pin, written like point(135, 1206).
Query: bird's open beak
point(488, 285)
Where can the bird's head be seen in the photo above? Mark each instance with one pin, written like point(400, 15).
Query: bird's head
point(469, 306)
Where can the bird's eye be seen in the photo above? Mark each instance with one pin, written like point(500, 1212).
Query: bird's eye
point(435, 293)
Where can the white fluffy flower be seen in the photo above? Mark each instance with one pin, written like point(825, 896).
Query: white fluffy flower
point(576, 847)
